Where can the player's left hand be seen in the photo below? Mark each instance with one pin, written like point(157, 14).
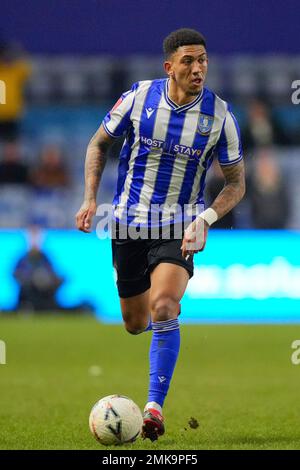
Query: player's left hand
point(195, 236)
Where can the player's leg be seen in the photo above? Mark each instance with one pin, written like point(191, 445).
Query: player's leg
point(136, 312)
point(168, 284)
point(130, 259)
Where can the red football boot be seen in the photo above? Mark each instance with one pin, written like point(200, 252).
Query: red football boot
point(153, 426)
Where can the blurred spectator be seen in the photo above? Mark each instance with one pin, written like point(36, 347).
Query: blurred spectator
point(51, 173)
point(36, 277)
point(14, 71)
point(214, 186)
point(268, 193)
point(12, 169)
point(262, 130)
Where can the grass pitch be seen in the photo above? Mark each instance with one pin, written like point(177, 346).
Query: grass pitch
point(237, 381)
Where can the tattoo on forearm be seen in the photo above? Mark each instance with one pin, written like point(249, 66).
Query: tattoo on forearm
point(94, 166)
point(233, 190)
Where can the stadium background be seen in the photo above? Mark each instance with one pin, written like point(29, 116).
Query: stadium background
point(238, 381)
point(79, 68)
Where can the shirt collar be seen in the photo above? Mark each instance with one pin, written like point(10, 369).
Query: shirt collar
point(183, 107)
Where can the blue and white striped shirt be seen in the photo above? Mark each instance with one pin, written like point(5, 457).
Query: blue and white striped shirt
point(168, 149)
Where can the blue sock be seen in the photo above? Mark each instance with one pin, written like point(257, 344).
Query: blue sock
point(163, 355)
point(149, 327)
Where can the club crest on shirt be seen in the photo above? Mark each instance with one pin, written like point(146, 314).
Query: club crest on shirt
point(205, 124)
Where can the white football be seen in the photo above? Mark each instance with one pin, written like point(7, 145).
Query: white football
point(115, 419)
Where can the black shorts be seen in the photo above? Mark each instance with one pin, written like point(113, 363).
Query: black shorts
point(135, 259)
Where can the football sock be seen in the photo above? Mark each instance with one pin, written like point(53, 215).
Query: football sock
point(153, 404)
point(163, 355)
point(149, 327)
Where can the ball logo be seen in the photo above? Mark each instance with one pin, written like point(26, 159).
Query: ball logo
point(117, 429)
point(2, 92)
point(2, 352)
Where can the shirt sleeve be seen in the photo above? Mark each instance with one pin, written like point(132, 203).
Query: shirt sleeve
point(117, 121)
point(229, 146)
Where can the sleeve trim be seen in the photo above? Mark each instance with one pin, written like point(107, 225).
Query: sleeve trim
point(231, 162)
point(110, 133)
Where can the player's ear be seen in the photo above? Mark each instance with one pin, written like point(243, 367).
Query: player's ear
point(168, 68)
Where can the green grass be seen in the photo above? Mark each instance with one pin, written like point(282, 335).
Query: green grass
point(237, 381)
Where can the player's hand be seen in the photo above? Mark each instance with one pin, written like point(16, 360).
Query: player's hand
point(84, 216)
point(195, 236)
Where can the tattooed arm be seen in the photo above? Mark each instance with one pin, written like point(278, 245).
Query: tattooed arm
point(233, 190)
point(94, 166)
point(195, 236)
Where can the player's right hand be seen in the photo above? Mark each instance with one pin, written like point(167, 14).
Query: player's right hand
point(84, 216)
point(194, 239)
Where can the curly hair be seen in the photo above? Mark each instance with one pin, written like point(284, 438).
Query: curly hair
point(182, 37)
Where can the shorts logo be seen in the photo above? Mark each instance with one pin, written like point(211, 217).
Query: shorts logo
point(205, 124)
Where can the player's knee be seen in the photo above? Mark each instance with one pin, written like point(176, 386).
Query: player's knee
point(133, 326)
point(133, 330)
point(163, 308)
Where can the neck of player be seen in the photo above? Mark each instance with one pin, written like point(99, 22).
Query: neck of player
point(179, 96)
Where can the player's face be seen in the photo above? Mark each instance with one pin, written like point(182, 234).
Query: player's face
point(188, 68)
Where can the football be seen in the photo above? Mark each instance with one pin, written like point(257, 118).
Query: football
point(115, 419)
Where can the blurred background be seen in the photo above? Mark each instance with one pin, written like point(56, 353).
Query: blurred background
point(64, 63)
